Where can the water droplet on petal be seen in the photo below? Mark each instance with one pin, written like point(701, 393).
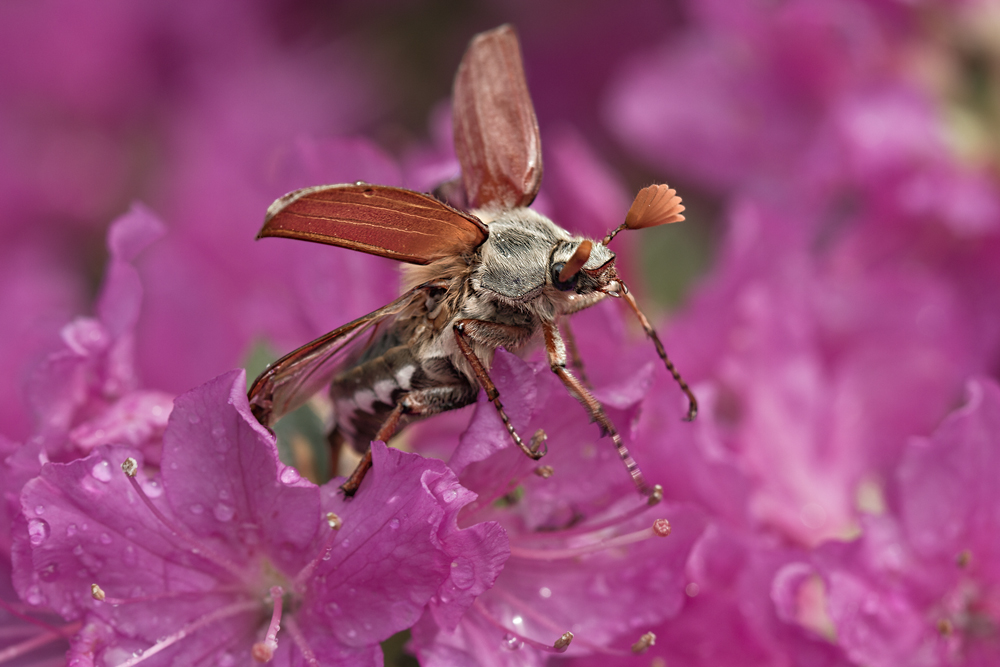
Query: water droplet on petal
point(394, 524)
point(545, 592)
point(196, 509)
point(450, 495)
point(101, 471)
point(49, 572)
point(352, 633)
point(38, 530)
point(194, 419)
point(71, 530)
point(78, 550)
point(511, 642)
point(34, 596)
point(130, 557)
point(152, 488)
point(290, 475)
point(333, 609)
point(463, 573)
point(223, 512)
point(39, 509)
point(218, 431)
point(105, 538)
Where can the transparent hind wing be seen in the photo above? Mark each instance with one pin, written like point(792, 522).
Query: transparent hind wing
point(292, 380)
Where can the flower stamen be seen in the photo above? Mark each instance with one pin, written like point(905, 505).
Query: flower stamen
point(130, 467)
point(516, 640)
point(300, 641)
point(247, 606)
point(264, 651)
point(660, 528)
point(325, 551)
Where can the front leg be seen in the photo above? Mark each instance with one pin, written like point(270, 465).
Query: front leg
point(556, 350)
point(468, 330)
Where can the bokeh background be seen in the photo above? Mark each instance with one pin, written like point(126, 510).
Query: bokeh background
point(836, 284)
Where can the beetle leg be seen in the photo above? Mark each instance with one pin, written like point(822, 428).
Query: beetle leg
point(536, 450)
point(574, 353)
point(556, 350)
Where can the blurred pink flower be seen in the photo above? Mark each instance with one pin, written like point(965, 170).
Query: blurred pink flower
point(920, 586)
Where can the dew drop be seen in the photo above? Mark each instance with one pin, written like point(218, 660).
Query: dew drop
point(39, 509)
point(218, 431)
point(129, 532)
point(49, 572)
point(130, 557)
point(450, 495)
point(352, 633)
point(101, 471)
point(545, 592)
point(511, 642)
point(71, 530)
point(38, 530)
point(34, 596)
point(290, 475)
point(463, 574)
point(394, 524)
point(223, 494)
point(152, 489)
point(78, 550)
point(392, 500)
point(196, 509)
point(333, 609)
point(174, 466)
point(345, 543)
point(223, 512)
point(105, 538)
point(194, 419)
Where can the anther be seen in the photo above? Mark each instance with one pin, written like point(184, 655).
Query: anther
point(544, 471)
point(963, 559)
point(563, 642)
point(130, 467)
point(945, 627)
point(97, 592)
point(335, 521)
point(644, 643)
point(655, 495)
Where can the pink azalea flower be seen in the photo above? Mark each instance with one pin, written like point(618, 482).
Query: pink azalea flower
point(204, 561)
point(588, 556)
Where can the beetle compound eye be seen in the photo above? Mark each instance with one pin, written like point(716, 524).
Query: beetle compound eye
point(564, 285)
point(564, 274)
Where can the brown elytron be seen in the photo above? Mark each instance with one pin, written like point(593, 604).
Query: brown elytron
point(497, 275)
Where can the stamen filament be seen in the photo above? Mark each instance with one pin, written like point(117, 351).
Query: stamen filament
point(264, 651)
point(48, 627)
point(101, 596)
point(660, 528)
point(532, 613)
point(192, 543)
point(324, 553)
point(593, 527)
point(549, 648)
point(300, 641)
point(32, 643)
point(208, 619)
